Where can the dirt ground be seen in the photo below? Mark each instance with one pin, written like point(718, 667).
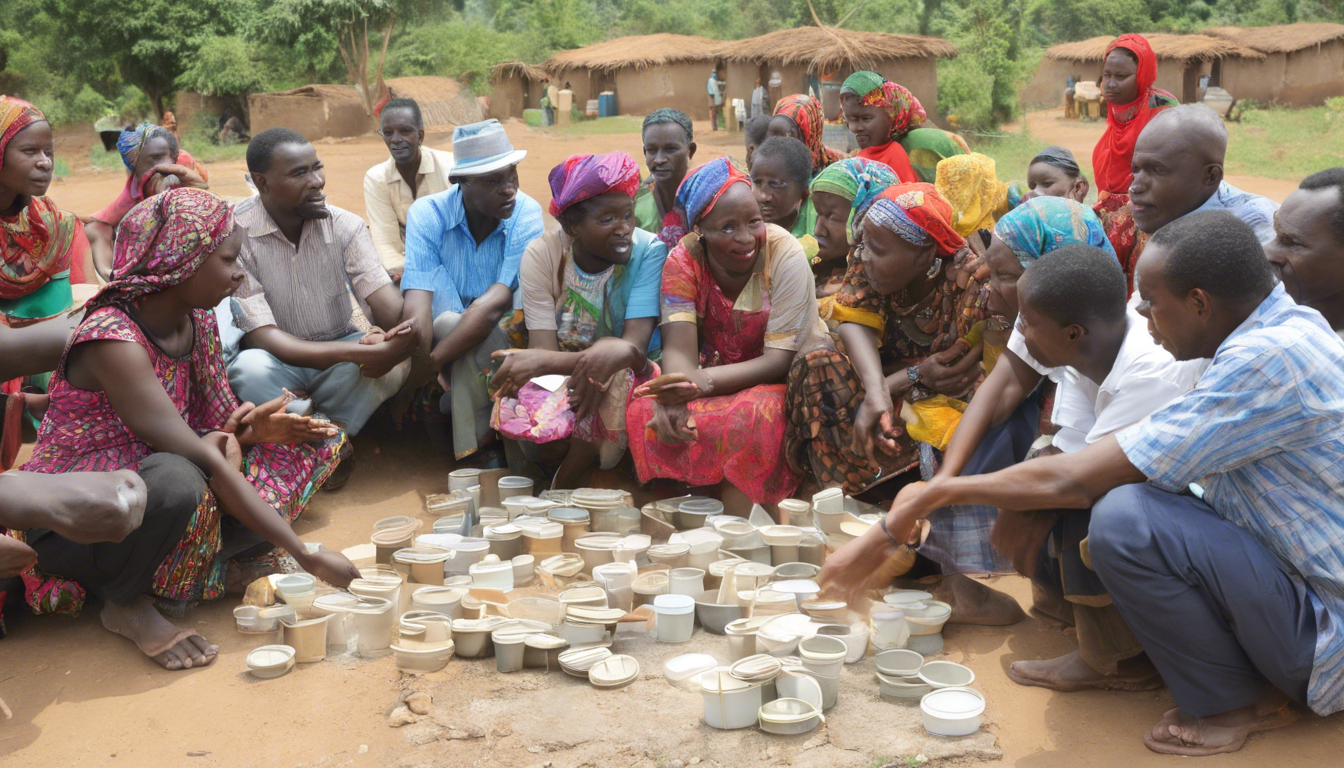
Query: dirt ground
point(82, 696)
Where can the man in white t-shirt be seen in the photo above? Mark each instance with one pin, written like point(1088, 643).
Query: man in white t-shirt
point(1074, 327)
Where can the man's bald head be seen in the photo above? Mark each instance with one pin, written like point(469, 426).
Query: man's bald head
point(1178, 164)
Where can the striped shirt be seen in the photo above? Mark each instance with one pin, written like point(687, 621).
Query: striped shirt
point(305, 291)
point(1263, 433)
point(442, 255)
point(1257, 211)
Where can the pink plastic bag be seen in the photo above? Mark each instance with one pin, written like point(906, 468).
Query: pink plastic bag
point(536, 415)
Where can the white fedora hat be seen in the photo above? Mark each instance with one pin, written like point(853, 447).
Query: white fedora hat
point(483, 147)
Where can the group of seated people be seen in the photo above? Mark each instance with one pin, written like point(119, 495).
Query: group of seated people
point(810, 321)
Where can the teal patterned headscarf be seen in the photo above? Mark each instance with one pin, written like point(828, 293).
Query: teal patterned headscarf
point(1043, 224)
point(857, 180)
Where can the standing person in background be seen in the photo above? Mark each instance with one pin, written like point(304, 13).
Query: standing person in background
point(715, 90)
point(1127, 76)
point(463, 248)
point(669, 147)
point(759, 97)
point(301, 258)
point(413, 171)
point(756, 131)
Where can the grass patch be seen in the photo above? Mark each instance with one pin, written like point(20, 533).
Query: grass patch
point(600, 126)
point(60, 169)
point(104, 160)
point(1286, 143)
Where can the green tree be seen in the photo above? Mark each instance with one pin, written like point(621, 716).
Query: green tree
point(346, 24)
point(149, 42)
point(225, 66)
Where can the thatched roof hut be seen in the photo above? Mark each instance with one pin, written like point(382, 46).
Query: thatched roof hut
point(646, 72)
point(1181, 60)
point(820, 58)
point(1303, 64)
point(514, 87)
point(444, 103)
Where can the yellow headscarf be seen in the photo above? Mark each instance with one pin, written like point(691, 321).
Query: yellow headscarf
point(969, 184)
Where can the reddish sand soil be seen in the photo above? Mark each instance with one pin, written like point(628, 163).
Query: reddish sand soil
point(82, 696)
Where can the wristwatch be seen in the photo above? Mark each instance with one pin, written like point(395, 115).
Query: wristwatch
point(913, 373)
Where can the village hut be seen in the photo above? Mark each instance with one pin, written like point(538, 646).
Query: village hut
point(645, 72)
point(1181, 61)
point(514, 87)
point(1303, 64)
point(314, 111)
point(820, 58)
point(444, 103)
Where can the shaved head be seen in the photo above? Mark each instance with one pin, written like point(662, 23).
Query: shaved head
point(1178, 164)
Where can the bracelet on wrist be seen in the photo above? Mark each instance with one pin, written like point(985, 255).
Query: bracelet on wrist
point(883, 524)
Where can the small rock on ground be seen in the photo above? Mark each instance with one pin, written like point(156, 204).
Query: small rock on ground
point(400, 716)
point(419, 702)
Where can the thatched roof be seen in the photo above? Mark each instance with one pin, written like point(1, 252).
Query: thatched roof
point(826, 48)
point(521, 69)
point(1285, 38)
point(443, 102)
point(639, 52)
point(1183, 48)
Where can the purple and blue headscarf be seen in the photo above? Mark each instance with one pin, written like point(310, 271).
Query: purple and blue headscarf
point(582, 177)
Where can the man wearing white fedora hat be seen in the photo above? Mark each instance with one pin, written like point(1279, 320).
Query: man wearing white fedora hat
point(463, 248)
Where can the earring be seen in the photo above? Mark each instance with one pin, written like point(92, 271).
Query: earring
point(935, 268)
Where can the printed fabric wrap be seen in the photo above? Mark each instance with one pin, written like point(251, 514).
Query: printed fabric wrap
point(1044, 224)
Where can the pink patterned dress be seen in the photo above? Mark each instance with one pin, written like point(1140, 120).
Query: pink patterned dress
point(83, 433)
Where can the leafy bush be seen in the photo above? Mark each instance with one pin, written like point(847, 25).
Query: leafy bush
point(965, 93)
point(223, 66)
point(457, 48)
point(87, 105)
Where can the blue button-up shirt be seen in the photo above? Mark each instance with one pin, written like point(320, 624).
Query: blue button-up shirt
point(1263, 433)
point(1255, 210)
point(442, 255)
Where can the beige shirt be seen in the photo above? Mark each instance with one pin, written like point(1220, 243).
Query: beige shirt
point(305, 291)
point(387, 198)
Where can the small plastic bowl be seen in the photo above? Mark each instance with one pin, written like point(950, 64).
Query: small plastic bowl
point(946, 674)
point(270, 661)
point(899, 662)
point(953, 711)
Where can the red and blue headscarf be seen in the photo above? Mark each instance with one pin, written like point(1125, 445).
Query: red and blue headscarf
point(583, 177)
point(703, 187)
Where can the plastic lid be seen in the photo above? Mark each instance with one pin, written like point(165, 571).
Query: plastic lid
point(953, 703)
point(514, 481)
point(503, 531)
point(614, 670)
point(544, 641)
point(719, 681)
point(270, 656)
point(567, 514)
point(905, 597)
point(701, 506)
point(537, 528)
point(760, 667)
point(794, 505)
point(688, 665)
point(582, 658)
point(673, 605)
point(902, 662)
point(796, 586)
point(669, 550)
point(469, 544)
point(435, 595)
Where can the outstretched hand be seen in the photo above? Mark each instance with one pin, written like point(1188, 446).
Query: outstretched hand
point(672, 388)
point(270, 423)
point(331, 567)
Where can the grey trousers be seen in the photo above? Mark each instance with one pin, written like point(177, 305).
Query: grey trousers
point(471, 403)
point(1214, 608)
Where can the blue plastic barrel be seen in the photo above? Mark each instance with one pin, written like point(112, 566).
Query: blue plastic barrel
point(606, 104)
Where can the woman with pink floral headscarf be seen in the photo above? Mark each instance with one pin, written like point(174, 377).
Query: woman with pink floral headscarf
point(142, 386)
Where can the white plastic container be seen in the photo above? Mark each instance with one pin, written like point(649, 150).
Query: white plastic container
point(783, 541)
point(375, 621)
point(796, 512)
point(741, 639)
point(854, 636)
point(385, 587)
point(823, 655)
point(952, 711)
point(541, 538)
point(524, 570)
point(270, 661)
point(423, 565)
point(828, 509)
point(443, 600)
point(509, 648)
point(492, 575)
point(464, 478)
point(889, 630)
point(341, 625)
point(946, 674)
point(788, 717)
point(686, 581)
point(466, 552)
point(730, 703)
point(514, 485)
point(505, 540)
point(676, 618)
point(671, 555)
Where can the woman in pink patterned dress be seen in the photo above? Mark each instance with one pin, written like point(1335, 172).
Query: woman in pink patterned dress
point(142, 386)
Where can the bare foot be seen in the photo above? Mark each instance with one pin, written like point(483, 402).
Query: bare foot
point(974, 602)
point(170, 647)
point(1070, 673)
point(1179, 734)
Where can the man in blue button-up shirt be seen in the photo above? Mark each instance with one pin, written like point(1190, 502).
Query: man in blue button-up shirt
point(463, 247)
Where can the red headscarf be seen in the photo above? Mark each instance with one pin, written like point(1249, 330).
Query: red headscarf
point(916, 212)
point(1112, 156)
point(805, 112)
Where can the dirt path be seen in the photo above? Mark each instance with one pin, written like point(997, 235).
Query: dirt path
point(82, 696)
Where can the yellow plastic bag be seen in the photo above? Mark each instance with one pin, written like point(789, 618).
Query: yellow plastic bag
point(934, 420)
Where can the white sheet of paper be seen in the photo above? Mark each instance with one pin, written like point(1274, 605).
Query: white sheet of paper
point(552, 382)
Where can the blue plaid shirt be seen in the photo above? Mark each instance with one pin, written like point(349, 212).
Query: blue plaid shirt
point(1256, 210)
point(442, 255)
point(1263, 433)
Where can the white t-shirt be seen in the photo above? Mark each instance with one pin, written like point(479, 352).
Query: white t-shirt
point(1145, 377)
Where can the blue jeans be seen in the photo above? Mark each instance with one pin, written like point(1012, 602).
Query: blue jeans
point(1215, 610)
point(340, 392)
